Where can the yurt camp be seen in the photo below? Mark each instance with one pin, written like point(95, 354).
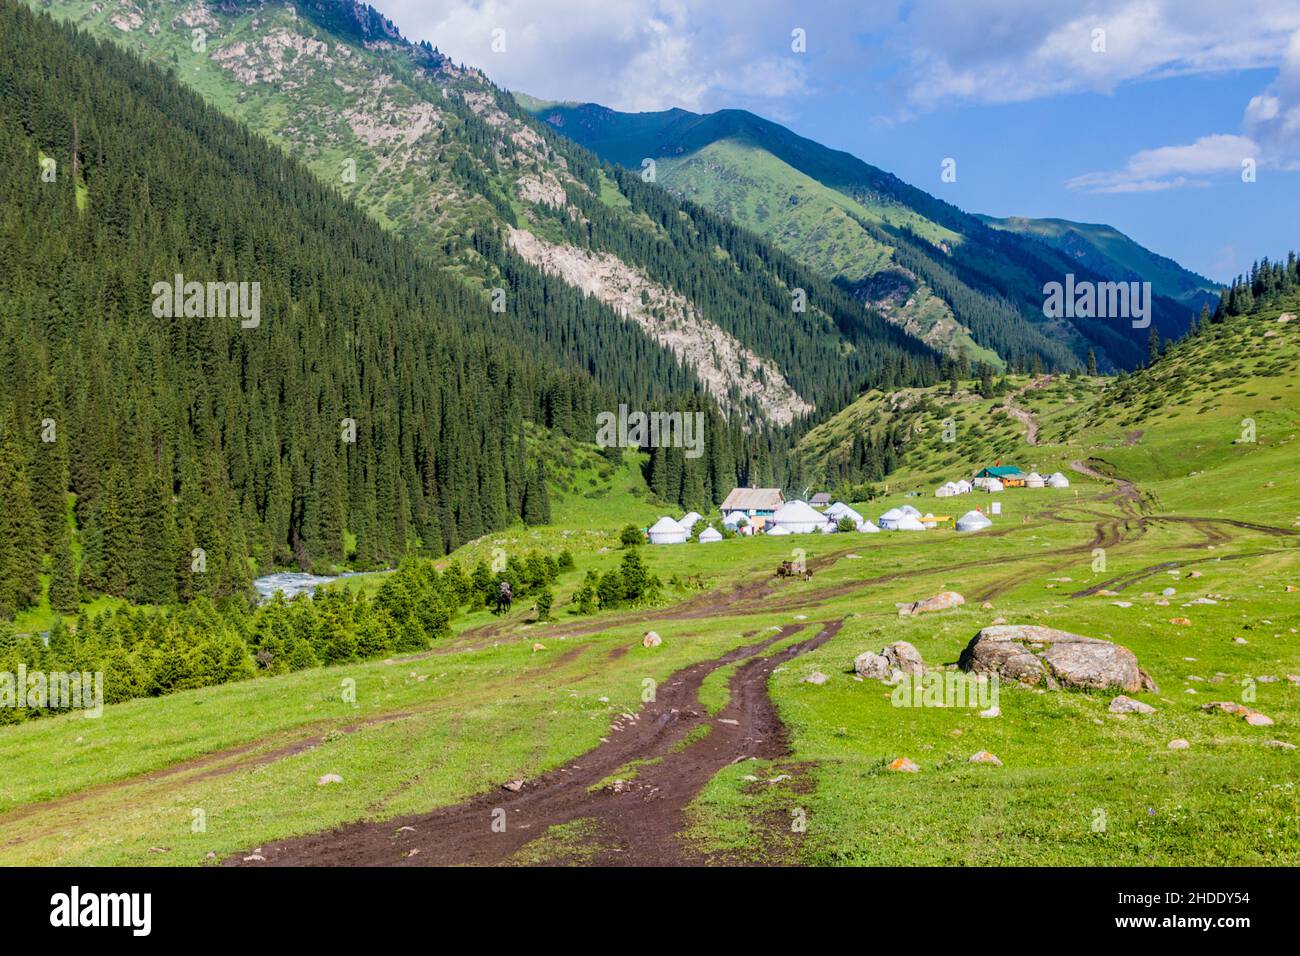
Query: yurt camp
point(667, 531)
point(1035, 480)
point(689, 519)
point(709, 535)
point(1058, 480)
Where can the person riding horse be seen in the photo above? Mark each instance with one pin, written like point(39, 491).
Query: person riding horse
point(503, 597)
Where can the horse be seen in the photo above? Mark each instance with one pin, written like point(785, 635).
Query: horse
point(504, 597)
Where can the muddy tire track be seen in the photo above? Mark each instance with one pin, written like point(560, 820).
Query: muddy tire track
point(641, 824)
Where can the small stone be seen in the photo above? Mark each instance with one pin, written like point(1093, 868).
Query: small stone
point(1240, 640)
point(732, 723)
point(328, 778)
point(538, 647)
point(254, 858)
point(1127, 705)
point(903, 765)
point(1180, 621)
point(1279, 745)
point(514, 786)
point(816, 677)
point(1178, 744)
point(1169, 592)
point(159, 849)
point(651, 639)
point(1122, 603)
point(983, 756)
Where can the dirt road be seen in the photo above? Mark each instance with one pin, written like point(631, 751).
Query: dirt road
point(661, 752)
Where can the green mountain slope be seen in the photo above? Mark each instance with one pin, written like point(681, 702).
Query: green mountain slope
point(649, 295)
point(1105, 249)
point(929, 266)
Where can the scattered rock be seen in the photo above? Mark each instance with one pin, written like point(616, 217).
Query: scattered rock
point(1169, 592)
point(651, 639)
point(1070, 660)
point(940, 602)
point(1122, 603)
point(537, 646)
point(728, 721)
point(329, 778)
point(159, 849)
point(1279, 745)
point(871, 666)
point(998, 620)
point(1107, 593)
point(1178, 744)
point(986, 606)
point(816, 677)
point(514, 786)
point(1180, 621)
point(903, 765)
point(1240, 640)
point(1127, 705)
point(1252, 717)
point(254, 858)
point(983, 756)
point(1194, 574)
point(902, 656)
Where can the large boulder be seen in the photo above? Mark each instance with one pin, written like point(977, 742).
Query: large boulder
point(902, 656)
point(893, 660)
point(940, 602)
point(1035, 655)
point(871, 666)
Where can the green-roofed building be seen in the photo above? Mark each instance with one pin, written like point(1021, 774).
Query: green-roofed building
point(1001, 471)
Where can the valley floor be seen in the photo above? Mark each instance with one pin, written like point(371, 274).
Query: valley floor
point(568, 742)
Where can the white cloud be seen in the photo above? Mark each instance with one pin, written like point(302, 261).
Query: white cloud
point(1270, 139)
point(635, 54)
point(1014, 50)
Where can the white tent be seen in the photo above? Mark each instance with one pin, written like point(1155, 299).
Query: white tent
point(710, 534)
point(1058, 480)
point(909, 523)
point(963, 486)
point(735, 519)
point(689, 519)
point(973, 521)
point(798, 517)
point(909, 510)
point(840, 510)
point(1034, 480)
point(829, 527)
point(868, 527)
point(778, 529)
point(891, 518)
point(945, 490)
point(992, 484)
point(667, 531)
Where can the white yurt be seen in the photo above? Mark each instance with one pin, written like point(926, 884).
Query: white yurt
point(1058, 480)
point(963, 486)
point(946, 490)
point(798, 517)
point(689, 519)
point(909, 510)
point(710, 534)
point(667, 531)
point(735, 519)
point(1035, 480)
point(839, 511)
point(909, 523)
point(829, 527)
point(868, 527)
point(973, 521)
point(891, 518)
point(993, 484)
point(778, 529)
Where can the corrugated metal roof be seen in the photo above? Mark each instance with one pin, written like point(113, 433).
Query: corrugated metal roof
point(753, 499)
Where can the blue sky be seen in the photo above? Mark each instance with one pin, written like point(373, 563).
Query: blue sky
point(1137, 113)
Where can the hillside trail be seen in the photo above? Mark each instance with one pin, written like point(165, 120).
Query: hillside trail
point(661, 757)
point(1023, 415)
